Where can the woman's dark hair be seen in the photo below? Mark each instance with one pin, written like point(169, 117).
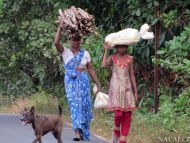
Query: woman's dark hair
point(74, 37)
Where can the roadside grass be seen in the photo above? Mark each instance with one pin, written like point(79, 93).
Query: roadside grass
point(44, 104)
point(141, 131)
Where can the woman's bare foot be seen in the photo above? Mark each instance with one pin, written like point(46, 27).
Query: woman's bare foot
point(114, 138)
point(77, 136)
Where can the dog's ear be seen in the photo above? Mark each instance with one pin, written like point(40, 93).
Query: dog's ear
point(32, 109)
point(25, 109)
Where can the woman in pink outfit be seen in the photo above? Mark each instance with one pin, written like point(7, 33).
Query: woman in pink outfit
point(121, 96)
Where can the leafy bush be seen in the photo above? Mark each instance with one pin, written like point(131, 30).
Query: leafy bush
point(175, 55)
point(174, 99)
point(173, 115)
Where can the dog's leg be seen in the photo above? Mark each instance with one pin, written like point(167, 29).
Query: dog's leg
point(55, 134)
point(59, 140)
point(38, 138)
point(59, 137)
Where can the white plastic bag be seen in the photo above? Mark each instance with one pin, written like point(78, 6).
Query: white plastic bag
point(101, 100)
point(144, 32)
point(128, 36)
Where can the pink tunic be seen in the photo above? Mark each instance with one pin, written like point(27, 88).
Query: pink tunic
point(120, 90)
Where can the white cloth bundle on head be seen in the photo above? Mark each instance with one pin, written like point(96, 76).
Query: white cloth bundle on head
point(128, 36)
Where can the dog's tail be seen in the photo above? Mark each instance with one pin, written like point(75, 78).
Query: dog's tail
point(60, 110)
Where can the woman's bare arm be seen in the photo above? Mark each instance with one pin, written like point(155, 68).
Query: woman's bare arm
point(59, 47)
point(93, 75)
point(106, 62)
point(133, 81)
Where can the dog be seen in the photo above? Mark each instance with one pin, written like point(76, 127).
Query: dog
point(43, 124)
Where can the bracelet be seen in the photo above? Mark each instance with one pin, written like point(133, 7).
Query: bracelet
point(61, 28)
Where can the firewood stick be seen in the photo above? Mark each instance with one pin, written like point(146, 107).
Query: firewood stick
point(59, 17)
point(89, 24)
point(83, 13)
point(89, 29)
point(77, 15)
point(90, 16)
point(70, 36)
point(88, 34)
point(68, 30)
point(79, 31)
point(60, 12)
point(67, 21)
point(83, 32)
point(73, 17)
point(70, 15)
point(81, 25)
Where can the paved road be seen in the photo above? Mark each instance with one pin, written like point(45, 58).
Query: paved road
point(12, 131)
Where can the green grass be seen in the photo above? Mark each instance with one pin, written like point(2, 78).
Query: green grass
point(141, 131)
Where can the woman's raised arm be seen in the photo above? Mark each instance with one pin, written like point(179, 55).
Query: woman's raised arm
point(59, 47)
point(106, 62)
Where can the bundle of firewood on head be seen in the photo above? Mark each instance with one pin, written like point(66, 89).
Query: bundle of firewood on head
point(76, 22)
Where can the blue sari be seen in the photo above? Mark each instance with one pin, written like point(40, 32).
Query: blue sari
point(77, 88)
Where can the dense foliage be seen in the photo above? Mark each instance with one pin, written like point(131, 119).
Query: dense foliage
point(175, 56)
point(28, 56)
point(29, 61)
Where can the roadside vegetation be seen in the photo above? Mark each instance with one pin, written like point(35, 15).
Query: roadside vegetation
point(144, 128)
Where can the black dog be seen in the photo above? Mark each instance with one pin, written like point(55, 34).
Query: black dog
point(44, 124)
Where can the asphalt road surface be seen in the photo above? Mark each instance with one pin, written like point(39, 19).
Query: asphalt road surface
point(12, 131)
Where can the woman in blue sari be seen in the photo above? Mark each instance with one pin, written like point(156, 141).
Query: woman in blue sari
point(77, 85)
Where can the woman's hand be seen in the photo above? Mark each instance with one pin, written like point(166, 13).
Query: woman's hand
point(136, 96)
point(106, 62)
point(61, 22)
point(105, 46)
point(99, 89)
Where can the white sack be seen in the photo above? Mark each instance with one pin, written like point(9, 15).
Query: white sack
point(101, 100)
point(128, 36)
point(147, 35)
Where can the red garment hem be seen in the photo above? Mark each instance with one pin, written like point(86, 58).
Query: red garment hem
point(122, 109)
